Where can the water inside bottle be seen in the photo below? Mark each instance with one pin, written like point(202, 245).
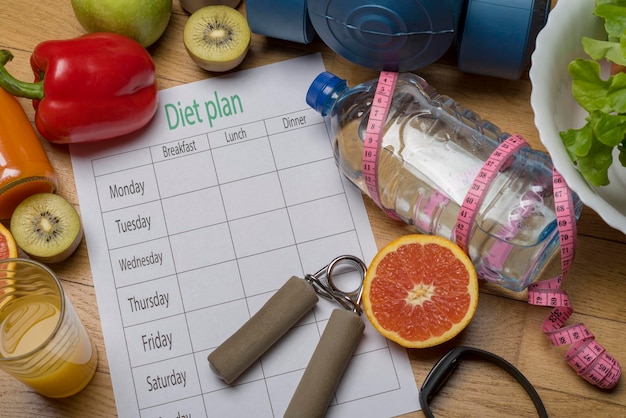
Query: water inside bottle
point(427, 163)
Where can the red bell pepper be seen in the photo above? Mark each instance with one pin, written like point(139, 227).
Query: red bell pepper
point(94, 87)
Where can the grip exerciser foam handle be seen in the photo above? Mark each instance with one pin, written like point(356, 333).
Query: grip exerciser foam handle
point(328, 363)
point(286, 307)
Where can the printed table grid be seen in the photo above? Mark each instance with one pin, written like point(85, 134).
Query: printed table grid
point(253, 226)
point(192, 224)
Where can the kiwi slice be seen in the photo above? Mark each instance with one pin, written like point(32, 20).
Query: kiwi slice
point(46, 227)
point(217, 37)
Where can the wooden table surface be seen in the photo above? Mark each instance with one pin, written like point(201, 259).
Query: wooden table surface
point(504, 322)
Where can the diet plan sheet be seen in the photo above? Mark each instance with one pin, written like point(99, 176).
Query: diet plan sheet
point(195, 221)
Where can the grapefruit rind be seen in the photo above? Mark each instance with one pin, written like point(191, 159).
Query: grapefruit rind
point(429, 340)
point(8, 247)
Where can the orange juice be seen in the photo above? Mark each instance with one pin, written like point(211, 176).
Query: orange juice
point(63, 368)
point(24, 165)
point(42, 341)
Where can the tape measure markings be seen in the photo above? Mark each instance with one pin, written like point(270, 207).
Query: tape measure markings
point(374, 135)
point(477, 191)
point(586, 356)
point(566, 220)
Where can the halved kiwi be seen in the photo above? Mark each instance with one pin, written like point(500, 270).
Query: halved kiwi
point(46, 227)
point(217, 38)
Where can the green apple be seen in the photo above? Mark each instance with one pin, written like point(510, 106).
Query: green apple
point(142, 20)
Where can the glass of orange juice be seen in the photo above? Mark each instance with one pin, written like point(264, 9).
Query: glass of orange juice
point(42, 340)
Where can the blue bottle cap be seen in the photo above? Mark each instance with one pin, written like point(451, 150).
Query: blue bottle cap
point(496, 38)
point(281, 19)
point(387, 34)
point(321, 89)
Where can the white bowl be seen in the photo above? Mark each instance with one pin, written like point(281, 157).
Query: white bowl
point(556, 110)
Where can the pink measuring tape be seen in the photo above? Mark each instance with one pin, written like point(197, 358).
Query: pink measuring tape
point(374, 133)
point(587, 357)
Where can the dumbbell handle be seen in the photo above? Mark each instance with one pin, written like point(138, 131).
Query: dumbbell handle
point(327, 365)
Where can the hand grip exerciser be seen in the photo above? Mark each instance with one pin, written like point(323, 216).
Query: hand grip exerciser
point(283, 310)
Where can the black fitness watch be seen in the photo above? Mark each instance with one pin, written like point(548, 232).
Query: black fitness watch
point(444, 368)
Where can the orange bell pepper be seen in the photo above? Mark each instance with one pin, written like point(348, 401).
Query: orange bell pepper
point(24, 165)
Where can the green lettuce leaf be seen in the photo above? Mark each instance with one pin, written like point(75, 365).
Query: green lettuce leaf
point(614, 15)
point(591, 147)
point(613, 51)
point(578, 141)
point(595, 165)
point(616, 94)
point(608, 128)
point(589, 90)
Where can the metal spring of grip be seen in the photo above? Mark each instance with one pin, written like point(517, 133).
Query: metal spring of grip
point(350, 300)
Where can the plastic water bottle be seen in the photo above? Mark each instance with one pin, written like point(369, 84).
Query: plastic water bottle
point(432, 148)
